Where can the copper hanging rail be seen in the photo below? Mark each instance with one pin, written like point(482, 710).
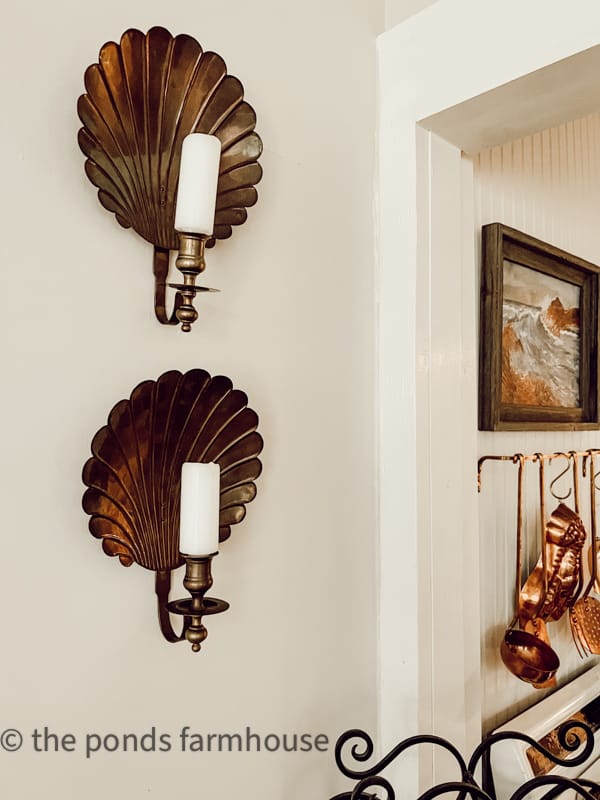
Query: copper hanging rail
point(515, 458)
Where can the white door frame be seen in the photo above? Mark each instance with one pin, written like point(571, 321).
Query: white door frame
point(449, 54)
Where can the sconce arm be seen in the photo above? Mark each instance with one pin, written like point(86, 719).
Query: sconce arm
point(160, 268)
point(163, 587)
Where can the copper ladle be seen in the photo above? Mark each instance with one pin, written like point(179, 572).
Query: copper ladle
point(524, 654)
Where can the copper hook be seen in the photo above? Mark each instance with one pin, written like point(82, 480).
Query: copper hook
point(479, 466)
point(483, 459)
point(585, 455)
point(596, 474)
point(559, 476)
point(573, 455)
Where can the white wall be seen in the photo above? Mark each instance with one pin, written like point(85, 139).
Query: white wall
point(547, 185)
point(396, 11)
point(292, 326)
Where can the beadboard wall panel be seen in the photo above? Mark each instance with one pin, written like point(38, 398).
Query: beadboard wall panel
point(547, 185)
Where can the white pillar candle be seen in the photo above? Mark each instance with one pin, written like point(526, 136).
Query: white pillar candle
point(199, 520)
point(198, 179)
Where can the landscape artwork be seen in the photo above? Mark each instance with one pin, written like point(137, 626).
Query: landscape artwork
point(541, 343)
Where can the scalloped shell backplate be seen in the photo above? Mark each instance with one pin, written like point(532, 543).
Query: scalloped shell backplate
point(134, 474)
point(142, 98)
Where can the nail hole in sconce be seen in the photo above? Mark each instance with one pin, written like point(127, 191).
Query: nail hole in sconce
point(142, 508)
point(144, 98)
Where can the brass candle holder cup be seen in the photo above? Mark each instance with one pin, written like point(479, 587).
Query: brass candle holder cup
point(198, 580)
point(190, 262)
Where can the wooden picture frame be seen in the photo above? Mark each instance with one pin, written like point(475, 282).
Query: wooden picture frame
point(538, 354)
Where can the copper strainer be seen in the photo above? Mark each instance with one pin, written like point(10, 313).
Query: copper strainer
point(525, 653)
point(585, 614)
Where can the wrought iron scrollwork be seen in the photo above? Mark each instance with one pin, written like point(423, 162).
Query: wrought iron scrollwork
point(574, 738)
point(365, 754)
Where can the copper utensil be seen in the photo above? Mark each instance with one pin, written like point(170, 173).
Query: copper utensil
point(590, 565)
point(529, 658)
point(555, 582)
point(525, 654)
point(593, 551)
point(573, 619)
point(586, 611)
point(538, 628)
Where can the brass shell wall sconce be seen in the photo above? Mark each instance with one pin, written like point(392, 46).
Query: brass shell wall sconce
point(134, 481)
point(143, 97)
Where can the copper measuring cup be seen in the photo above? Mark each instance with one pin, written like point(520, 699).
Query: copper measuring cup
point(524, 654)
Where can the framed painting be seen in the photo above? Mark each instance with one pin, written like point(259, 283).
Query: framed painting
point(538, 355)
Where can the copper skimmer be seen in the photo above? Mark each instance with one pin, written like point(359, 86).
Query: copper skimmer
point(586, 611)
